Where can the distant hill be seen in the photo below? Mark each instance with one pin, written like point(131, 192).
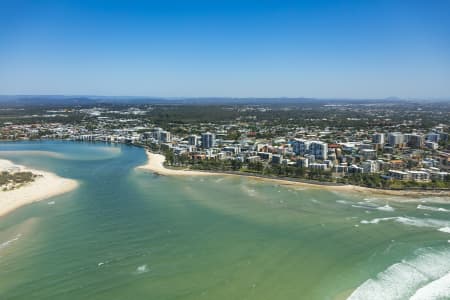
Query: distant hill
point(61, 100)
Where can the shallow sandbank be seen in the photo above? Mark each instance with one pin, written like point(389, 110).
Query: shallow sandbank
point(46, 185)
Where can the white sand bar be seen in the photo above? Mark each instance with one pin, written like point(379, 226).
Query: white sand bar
point(155, 164)
point(46, 185)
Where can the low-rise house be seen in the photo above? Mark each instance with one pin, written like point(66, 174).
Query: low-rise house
point(368, 154)
point(276, 159)
point(398, 175)
point(318, 166)
point(421, 176)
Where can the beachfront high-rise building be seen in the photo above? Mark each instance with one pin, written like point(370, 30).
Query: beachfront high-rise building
point(157, 133)
point(319, 149)
point(193, 140)
point(161, 135)
point(433, 137)
point(316, 148)
point(165, 137)
point(378, 138)
point(300, 147)
point(368, 154)
point(414, 140)
point(208, 140)
point(302, 162)
point(395, 139)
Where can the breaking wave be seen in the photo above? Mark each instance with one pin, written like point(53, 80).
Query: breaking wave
point(438, 289)
point(432, 223)
point(427, 276)
point(445, 229)
point(387, 207)
point(369, 205)
point(142, 269)
point(432, 208)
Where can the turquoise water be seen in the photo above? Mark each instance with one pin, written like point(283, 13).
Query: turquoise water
point(130, 234)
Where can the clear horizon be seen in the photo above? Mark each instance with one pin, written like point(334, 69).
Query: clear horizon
point(225, 97)
point(238, 49)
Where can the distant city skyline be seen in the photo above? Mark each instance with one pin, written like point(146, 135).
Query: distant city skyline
point(312, 49)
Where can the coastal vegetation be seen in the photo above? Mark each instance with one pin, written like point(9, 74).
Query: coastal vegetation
point(14, 180)
point(282, 171)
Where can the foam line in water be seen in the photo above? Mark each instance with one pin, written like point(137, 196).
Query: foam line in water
point(424, 277)
point(369, 205)
point(11, 241)
point(378, 220)
point(364, 206)
point(387, 207)
point(342, 201)
point(432, 208)
point(393, 283)
point(438, 289)
point(142, 269)
point(411, 221)
point(445, 229)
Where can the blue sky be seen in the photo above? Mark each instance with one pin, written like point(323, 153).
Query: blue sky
point(355, 49)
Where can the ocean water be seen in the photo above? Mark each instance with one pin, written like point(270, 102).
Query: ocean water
point(130, 234)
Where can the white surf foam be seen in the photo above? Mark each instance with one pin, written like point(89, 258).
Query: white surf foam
point(432, 208)
point(434, 223)
point(377, 220)
point(369, 205)
point(438, 289)
point(342, 202)
point(142, 269)
point(387, 207)
point(363, 206)
point(10, 242)
point(393, 283)
point(445, 229)
point(424, 277)
point(422, 222)
point(435, 199)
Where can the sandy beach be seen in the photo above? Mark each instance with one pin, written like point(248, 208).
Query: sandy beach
point(46, 185)
point(155, 164)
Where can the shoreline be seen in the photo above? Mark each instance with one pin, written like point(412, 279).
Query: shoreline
point(45, 186)
point(155, 165)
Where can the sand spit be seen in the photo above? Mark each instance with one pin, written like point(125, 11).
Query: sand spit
point(46, 185)
point(155, 165)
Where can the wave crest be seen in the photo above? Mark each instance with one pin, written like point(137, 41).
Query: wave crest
point(427, 276)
